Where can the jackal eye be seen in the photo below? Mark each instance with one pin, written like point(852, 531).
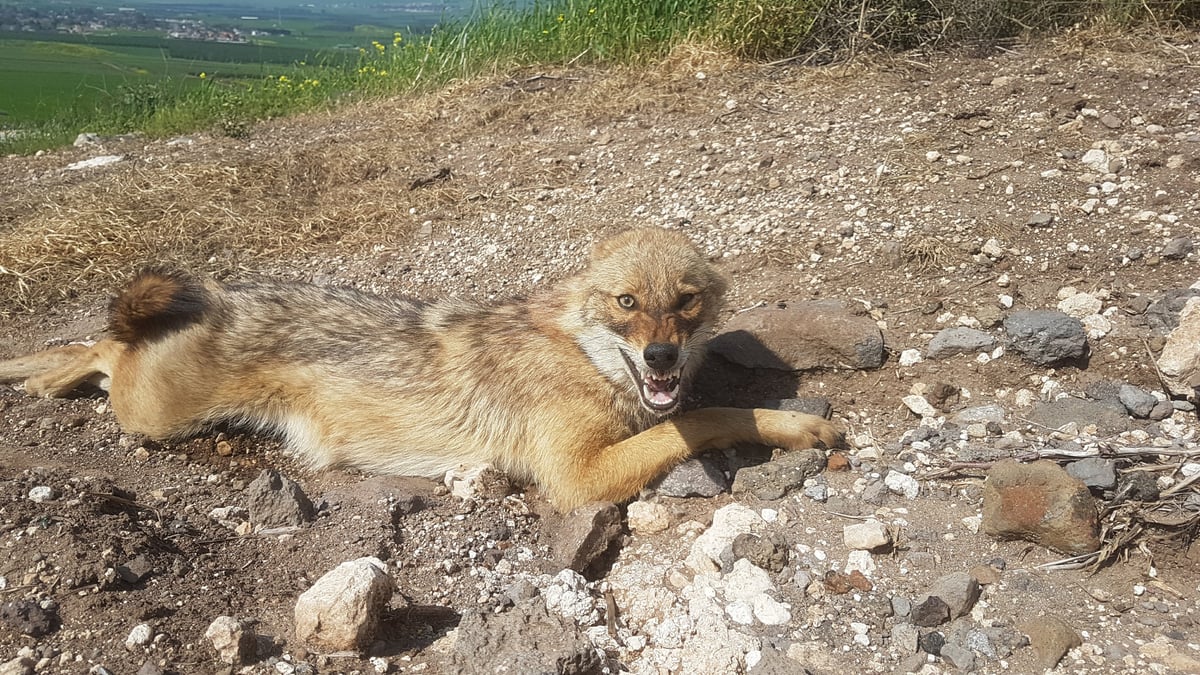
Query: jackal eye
point(687, 300)
point(626, 301)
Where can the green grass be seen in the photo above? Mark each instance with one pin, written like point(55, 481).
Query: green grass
point(40, 79)
point(131, 86)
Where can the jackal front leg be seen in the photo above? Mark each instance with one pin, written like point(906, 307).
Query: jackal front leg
point(620, 470)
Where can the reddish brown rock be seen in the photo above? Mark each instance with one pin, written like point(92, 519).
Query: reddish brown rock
point(837, 462)
point(1051, 638)
point(1041, 503)
point(801, 336)
point(840, 584)
point(581, 537)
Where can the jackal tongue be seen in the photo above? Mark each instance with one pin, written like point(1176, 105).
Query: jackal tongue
point(661, 391)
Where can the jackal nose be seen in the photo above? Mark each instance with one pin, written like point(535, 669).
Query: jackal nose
point(661, 355)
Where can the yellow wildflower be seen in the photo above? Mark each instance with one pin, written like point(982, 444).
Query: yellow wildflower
point(204, 76)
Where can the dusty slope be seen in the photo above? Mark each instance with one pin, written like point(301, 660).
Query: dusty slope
point(877, 184)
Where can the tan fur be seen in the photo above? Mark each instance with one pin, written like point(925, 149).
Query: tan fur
point(540, 387)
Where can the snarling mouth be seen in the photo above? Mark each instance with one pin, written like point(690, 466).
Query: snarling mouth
point(659, 391)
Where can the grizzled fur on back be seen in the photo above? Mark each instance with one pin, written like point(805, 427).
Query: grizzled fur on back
point(575, 387)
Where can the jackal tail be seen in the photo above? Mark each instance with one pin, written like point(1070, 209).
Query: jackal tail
point(25, 367)
point(157, 302)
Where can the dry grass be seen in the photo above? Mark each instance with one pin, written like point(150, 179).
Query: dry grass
point(326, 183)
point(212, 214)
point(926, 251)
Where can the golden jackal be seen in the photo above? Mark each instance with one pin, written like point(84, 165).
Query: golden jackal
point(574, 387)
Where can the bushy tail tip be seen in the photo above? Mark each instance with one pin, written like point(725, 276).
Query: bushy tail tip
point(156, 302)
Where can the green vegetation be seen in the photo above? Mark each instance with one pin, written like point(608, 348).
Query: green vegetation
point(162, 87)
point(55, 89)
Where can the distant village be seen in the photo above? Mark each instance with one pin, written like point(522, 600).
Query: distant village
point(83, 20)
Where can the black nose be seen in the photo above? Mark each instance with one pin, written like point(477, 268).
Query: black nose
point(661, 355)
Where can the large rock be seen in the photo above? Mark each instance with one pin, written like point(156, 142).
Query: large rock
point(770, 552)
point(1139, 402)
point(1180, 358)
point(953, 341)
point(1109, 417)
point(1046, 337)
point(1095, 472)
point(1042, 503)
point(274, 500)
point(696, 477)
point(776, 478)
point(29, 618)
point(802, 336)
point(747, 589)
point(526, 639)
point(22, 665)
point(949, 597)
point(1080, 305)
point(1163, 315)
point(728, 522)
point(1178, 248)
point(868, 535)
point(959, 591)
point(647, 517)
point(567, 595)
point(584, 535)
point(341, 611)
point(929, 611)
point(234, 640)
point(1051, 638)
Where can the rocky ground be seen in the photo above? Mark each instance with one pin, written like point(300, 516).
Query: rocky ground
point(970, 258)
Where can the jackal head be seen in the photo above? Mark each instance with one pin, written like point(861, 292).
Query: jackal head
point(649, 304)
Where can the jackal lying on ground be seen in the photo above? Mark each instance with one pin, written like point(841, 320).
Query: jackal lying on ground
point(574, 387)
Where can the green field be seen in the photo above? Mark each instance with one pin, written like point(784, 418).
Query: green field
point(63, 76)
point(39, 79)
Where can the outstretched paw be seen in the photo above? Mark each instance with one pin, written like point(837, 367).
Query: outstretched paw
point(810, 431)
point(830, 436)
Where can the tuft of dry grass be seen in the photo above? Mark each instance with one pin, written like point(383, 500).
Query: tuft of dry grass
point(927, 251)
point(217, 216)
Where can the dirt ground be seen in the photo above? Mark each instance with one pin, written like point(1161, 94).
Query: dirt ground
point(879, 183)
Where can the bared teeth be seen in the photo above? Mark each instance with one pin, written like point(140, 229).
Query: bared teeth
point(661, 384)
point(659, 391)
